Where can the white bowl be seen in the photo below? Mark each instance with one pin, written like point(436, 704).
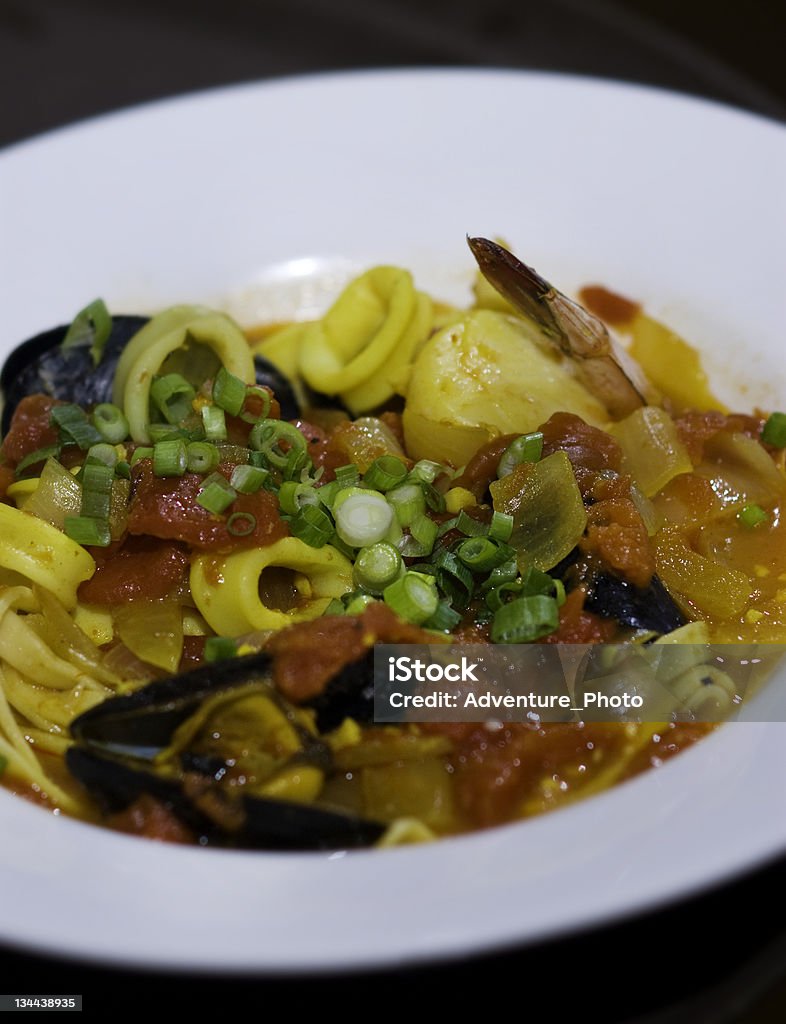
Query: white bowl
point(246, 194)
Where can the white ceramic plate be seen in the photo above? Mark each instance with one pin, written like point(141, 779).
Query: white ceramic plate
point(676, 202)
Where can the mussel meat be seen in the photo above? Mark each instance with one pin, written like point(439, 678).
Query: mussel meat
point(267, 375)
point(210, 745)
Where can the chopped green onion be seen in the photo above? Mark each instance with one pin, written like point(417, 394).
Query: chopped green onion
point(214, 422)
point(505, 573)
point(173, 395)
point(166, 432)
point(110, 422)
point(216, 494)
point(480, 554)
point(248, 479)
point(408, 502)
point(454, 578)
point(257, 459)
point(524, 620)
point(91, 326)
point(445, 619)
point(343, 493)
point(267, 436)
point(123, 469)
point(141, 453)
point(535, 581)
point(420, 543)
point(201, 457)
point(327, 493)
point(219, 648)
point(229, 392)
point(527, 448)
point(358, 603)
point(471, 527)
point(434, 499)
point(170, 458)
point(312, 525)
point(51, 451)
point(363, 519)
point(73, 425)
point(426, 471)
point(774, 431)
point(501, 527)
point(385, 473)
point(752, 515)
point(105, 453)
point(87, 531)
point(97, 480)
point(241, 524)
point(347, 476)
point(501, 594)
point(413, 597)
point(447, 526)
point(377, 566)
point(255, 392)
point(334, 608)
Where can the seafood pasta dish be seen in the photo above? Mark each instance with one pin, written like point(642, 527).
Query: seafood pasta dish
point(206, 529)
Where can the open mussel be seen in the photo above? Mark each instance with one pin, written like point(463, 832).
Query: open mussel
point(41, 365)
point(223, 752)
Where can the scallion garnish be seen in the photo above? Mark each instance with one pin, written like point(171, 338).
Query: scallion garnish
point(752, 515)
point(165, 432)
point(216, 494)
point(74, 426)
point(347, 476)
point(481, 554)
point(248, 479)
point(91, 326)
point(51, 451)
point(505, 573)
point(241, 524)
point(110, 422)
point(170, 458)
point(444, 618)
point(501, 527)
point(312, 525)
point(214, 422)
point(470, 527)
point(143, 452)
point(363, 519)
point(527, 448)
point(229, 392)
point(263, 395)
point(377, 566)
point(426, 471)
point(774, 431)
point(201, 457)
point(267, 437)
point(524, 620)
point(454, 578)
point(408, 502)
point(173, 395)
point(358, 603)
point(413, 597)
point(385, 473)
point(87, 531)
point(105, 453)
point(219, 648)
point(422, 535)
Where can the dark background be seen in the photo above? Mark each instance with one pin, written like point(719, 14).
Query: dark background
point(720, 957)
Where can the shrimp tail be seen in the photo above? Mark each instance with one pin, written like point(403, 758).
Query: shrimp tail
point(606, 369)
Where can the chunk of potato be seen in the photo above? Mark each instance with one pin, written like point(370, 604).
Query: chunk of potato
point(485, 375)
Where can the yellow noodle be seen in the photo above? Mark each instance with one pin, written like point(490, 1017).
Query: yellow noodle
point(43, 554)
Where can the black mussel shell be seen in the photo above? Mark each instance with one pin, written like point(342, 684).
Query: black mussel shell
point(114, 785)
point(269, 376)
point(651, 607)
point(350, 694)
point(261, 824)
point(41, 366)
point(141, 724)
